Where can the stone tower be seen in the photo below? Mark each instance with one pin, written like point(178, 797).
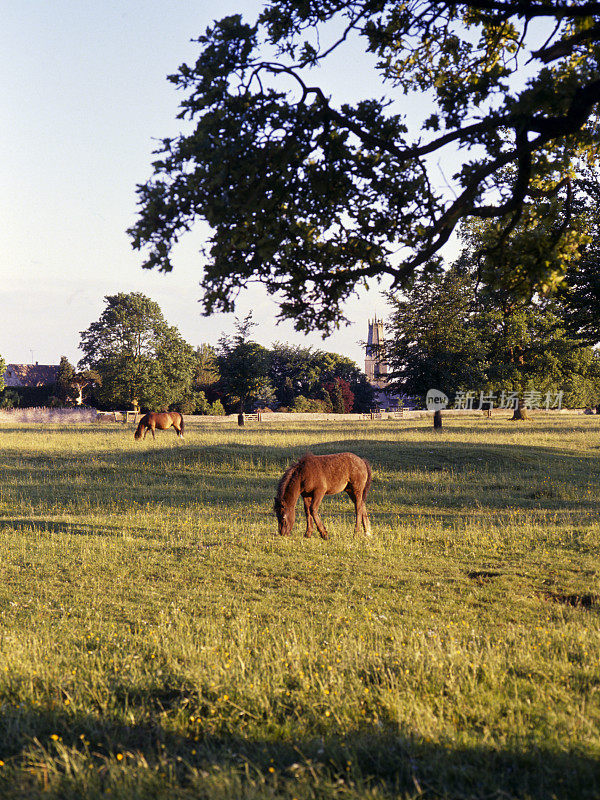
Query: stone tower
point(376, 368)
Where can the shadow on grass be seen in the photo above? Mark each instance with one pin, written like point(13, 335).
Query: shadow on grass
point(427, 455)
point(42, 525)
point(436, 473)
point(381, 762)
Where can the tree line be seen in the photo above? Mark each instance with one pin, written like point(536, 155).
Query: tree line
point(132, 358)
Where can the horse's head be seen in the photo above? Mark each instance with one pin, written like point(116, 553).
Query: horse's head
point(138, 433)
point(286, 516)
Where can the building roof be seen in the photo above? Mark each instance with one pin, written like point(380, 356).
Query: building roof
point(30, 374)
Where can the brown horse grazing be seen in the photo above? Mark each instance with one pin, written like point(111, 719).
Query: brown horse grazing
point(315, 476)
point(161, 420)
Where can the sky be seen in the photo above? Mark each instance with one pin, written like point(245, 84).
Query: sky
point(84, 98)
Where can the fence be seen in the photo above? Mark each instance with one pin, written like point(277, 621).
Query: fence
point(70, 416)
point(315, 416)
point(118, 416)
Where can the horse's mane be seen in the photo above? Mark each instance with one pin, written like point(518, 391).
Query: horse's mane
point(284, 482)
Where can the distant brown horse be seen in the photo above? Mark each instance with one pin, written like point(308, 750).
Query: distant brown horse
point(315, 476)
point(161, 420)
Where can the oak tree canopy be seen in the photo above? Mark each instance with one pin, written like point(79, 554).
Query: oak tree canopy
point(312, 196)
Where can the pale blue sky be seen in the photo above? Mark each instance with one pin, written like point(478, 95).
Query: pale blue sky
point(84, 92)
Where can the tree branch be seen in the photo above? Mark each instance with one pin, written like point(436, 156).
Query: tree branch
point(523, 8)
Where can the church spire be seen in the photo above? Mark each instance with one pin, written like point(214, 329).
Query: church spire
point(376, 369)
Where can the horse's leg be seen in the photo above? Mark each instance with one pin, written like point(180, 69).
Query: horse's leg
point(153, 433)
point(145, 432)
point(361, 510)
point(314, 509)
point(309, 519)
point(365, 520)
point(357, 509)
point(363, 515)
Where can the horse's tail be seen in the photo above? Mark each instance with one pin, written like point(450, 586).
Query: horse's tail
point(369, 478)
point(139, 429)
point(181, 424)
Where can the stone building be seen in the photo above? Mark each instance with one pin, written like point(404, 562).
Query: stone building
point(376, 368)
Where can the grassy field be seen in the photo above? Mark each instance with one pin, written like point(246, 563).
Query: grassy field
point(159, 640)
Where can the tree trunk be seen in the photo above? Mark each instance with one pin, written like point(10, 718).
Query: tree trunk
point(437, 420)
point(520, 411)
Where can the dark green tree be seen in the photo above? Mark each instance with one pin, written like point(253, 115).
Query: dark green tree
point(140, 358)
point(579, 293)
point(434, 341)
point(205, 379)
point(333, 366)
point(206, 372)
point(63, 388)
point(9, 398)
point(293, 372)
point(243, 367)
point(337, 400)
point(540, 336)
point(312, 196)
point(448, 334)
point(296, 371)
point(531, 350)
point(70, 385)
point(82, 382)
point(364, 395)
point(580, 296)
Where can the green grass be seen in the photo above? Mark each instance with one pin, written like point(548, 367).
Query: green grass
point(159, 640)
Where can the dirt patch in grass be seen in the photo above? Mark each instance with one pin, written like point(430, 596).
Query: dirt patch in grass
point(575, 600)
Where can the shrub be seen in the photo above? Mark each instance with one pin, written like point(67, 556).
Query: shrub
point(303, 404)
point(216, 409)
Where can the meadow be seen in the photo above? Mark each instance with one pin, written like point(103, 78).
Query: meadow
point(159, 640)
